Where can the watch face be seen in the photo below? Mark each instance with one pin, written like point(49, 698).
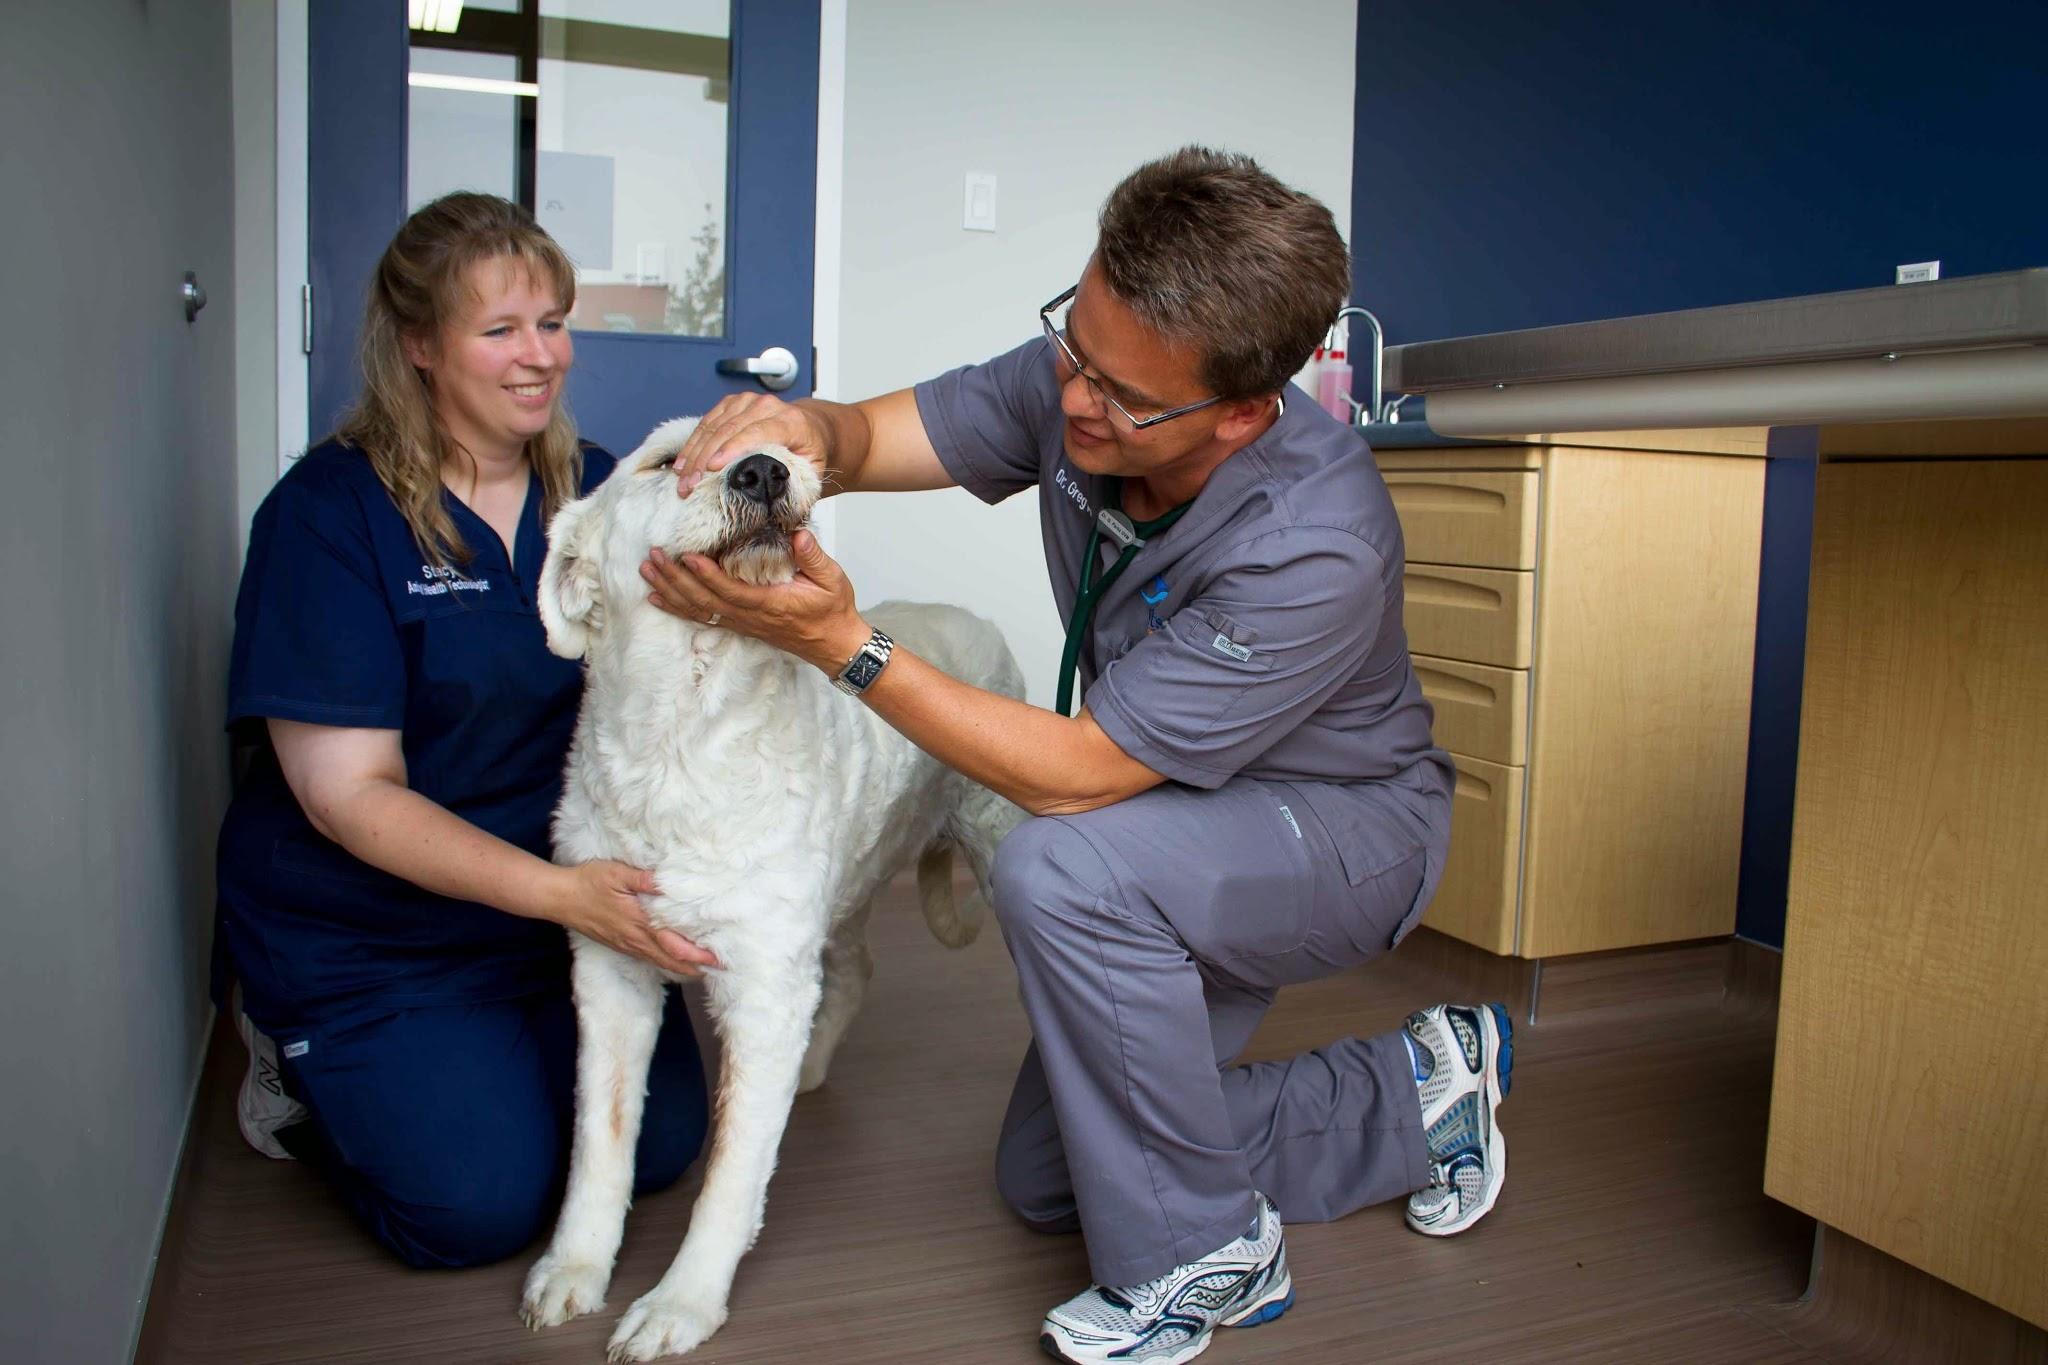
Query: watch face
point(864, 669)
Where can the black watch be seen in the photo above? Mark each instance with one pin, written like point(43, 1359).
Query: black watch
point(865, 666)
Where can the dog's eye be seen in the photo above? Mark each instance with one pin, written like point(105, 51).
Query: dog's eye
point(667, 461)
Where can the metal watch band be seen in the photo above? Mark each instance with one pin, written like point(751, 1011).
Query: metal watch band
point(865, 665)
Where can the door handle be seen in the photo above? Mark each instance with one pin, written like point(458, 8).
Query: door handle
point(191, 295)
point(775, 367)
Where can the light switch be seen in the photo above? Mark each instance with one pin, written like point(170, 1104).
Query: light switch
point(980, 213)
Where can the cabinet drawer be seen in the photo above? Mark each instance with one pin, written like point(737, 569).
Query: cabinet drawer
point(1477, 616)
point(1480, 710)
point(1484, 518)
point(1476, 900)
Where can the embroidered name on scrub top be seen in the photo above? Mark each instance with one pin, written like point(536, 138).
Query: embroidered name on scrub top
point(435, 581)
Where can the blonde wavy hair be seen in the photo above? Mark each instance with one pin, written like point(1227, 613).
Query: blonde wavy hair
point(422, 282)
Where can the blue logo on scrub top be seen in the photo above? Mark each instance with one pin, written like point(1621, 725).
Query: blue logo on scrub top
point(1154, 593)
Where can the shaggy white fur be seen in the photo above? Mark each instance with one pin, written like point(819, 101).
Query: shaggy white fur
point(770, 808)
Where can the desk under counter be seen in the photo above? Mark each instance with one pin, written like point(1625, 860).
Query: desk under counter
point(1910, 1099)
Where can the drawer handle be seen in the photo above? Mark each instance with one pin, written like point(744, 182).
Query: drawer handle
point(1478, 788)
point(1448, 592)
point(1446, 497)
point(1449, 688)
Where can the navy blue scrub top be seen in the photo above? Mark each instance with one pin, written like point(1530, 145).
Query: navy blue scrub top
point(339, 622)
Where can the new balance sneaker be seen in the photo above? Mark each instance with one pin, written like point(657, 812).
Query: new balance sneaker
point(263, 1107)
point(1170, 1319)
point(1464, 1065)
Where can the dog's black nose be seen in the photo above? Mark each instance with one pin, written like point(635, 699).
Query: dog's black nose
point(759, 478)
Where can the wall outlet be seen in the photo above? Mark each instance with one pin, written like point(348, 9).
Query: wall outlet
point(980, 212)
point(1919, 273)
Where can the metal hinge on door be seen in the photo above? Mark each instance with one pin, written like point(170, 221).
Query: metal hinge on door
point(306, 319)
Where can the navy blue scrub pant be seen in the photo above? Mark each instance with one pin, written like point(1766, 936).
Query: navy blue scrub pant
point(446, 1129)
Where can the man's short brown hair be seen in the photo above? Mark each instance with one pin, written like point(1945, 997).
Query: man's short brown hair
point(1211, 251)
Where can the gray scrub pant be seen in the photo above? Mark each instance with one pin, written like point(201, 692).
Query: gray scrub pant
point(1149, 939)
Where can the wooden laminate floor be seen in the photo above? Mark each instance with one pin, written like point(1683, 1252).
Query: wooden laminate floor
point(1632, 1227)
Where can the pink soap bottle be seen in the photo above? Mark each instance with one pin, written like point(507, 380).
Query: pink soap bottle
point(1333, 386)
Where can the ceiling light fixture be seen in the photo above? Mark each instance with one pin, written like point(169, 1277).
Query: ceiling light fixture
point(434, 16)
point(481, 85)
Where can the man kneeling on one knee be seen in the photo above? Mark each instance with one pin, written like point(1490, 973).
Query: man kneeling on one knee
point(1248, 796)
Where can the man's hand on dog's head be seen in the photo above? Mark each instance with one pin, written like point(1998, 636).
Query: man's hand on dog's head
point(813, 616)
point(740, 424)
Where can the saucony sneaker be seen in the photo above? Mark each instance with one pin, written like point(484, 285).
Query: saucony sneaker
point(1464, 1065)
point(1170, 1319)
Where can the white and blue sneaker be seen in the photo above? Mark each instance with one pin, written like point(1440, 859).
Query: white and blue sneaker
point(1170, 1319)
point(1464, 1064)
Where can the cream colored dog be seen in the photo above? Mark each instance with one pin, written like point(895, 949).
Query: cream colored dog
point(770, 809)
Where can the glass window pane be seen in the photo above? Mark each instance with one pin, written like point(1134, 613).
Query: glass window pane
point(631, 169)
point(459, 139)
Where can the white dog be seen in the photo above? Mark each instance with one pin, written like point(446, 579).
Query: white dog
point(770, 808)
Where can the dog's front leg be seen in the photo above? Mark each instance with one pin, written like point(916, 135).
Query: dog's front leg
point(764, 1020)
point(618, 1015)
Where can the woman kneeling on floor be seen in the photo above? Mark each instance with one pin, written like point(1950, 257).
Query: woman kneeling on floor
point(387, 905)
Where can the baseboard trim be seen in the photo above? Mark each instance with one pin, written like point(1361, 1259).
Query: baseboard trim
point(1702, 971)
point(180, 1173)
point(1755, 973)
point(1475, 974)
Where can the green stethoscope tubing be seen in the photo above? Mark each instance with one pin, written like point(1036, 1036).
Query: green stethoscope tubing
point(1091, 592)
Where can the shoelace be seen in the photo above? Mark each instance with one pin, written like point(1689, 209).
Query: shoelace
point(1142, 1296)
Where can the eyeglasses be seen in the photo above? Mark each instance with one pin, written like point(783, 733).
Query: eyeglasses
point(1056, 332)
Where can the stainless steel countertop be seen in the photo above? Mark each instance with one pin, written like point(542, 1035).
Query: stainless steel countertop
point(1971, 312)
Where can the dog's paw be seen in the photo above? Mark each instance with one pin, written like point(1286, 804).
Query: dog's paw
point(657, 1326)
point(557, 1291)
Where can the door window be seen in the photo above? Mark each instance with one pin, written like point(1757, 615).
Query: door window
point(610, 119)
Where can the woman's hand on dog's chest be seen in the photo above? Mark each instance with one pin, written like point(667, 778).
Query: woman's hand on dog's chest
point(813, 616)
point(601, 901)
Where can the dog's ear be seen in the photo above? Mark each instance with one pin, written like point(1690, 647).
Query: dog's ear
point(571, 582)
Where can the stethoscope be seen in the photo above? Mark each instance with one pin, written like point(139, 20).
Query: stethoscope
point(1132, 535)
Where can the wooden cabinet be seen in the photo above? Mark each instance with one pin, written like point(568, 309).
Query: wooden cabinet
point(1584, 621)
point(1911, 1093)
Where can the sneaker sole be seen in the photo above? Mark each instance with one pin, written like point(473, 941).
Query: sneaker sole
point(1500, 1079)
point(1275, 1301)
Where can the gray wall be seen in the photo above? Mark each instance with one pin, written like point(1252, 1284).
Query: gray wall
point(255, 262)
point(117, 555)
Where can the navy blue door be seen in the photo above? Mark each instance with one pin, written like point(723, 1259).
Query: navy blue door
point(749, 282)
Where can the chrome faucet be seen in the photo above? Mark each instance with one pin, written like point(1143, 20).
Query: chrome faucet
point(1371, 410)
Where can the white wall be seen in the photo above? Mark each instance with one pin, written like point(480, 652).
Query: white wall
point(1060, 100)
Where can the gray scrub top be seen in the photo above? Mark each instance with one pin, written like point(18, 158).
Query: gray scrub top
point(1277, 651)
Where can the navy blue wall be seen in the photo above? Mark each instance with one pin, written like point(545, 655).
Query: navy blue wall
point(355, 183)
point(1774, 697)
point(1519, 165)
point(1522, 165)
